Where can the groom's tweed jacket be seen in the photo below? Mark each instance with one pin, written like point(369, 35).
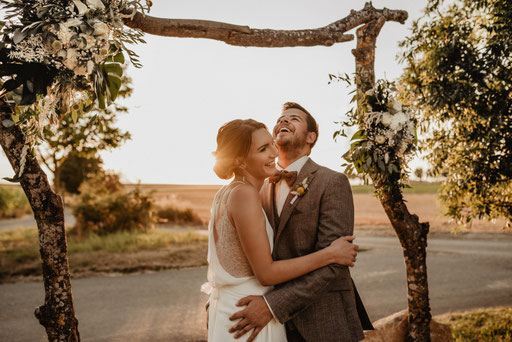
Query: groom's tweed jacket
point(321, 305)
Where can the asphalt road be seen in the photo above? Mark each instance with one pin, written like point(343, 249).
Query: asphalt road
point(167, 306)
point(28, 221)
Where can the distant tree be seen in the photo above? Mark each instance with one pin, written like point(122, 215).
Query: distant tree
point(80, 139)
point(418, 172)
point(76, 169)
point(459, 74)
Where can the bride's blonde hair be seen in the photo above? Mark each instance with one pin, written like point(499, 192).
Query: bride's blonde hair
point(233, 144)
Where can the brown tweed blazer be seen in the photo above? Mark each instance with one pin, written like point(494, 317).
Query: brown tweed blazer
point(321, 305)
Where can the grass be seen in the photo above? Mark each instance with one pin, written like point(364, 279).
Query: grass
point(416, 188)
point(493, 324)
point(120, 252)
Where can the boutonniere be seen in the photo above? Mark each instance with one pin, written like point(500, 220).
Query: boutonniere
point(300, 189)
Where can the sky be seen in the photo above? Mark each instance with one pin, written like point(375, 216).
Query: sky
point(188, 87)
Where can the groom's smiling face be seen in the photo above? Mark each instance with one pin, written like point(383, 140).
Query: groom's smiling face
point(291, 129)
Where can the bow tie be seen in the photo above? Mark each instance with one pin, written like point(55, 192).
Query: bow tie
point(289, 176)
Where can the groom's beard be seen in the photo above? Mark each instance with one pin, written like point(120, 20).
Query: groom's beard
point(293, 148)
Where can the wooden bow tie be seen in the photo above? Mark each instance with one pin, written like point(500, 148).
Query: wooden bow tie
point(286, 175)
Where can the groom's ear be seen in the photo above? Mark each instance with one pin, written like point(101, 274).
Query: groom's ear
point(311, 138)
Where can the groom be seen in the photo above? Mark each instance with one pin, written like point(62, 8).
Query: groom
point(307, 215)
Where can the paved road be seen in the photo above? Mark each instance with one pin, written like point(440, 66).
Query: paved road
point(28, 221)
point(167, 306)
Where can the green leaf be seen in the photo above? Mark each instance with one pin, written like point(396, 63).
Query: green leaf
point(119, 58)
point(113, 68)
point(15, 179)
point(101, 100)
point(358, 135)
point(114, 84)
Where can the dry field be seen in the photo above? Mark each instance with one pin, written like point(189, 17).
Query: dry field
point(369, 215)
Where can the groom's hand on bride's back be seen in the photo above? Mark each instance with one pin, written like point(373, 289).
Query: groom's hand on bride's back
point(254, 317)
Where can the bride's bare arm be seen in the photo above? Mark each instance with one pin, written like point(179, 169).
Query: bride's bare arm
point(244, 209)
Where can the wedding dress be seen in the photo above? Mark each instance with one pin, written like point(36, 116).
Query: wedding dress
point(230, 276)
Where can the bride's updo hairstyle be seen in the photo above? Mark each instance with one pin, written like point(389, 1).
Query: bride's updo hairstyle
point(233, 144)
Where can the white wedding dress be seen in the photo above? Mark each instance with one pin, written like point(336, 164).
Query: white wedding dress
point(230, 277)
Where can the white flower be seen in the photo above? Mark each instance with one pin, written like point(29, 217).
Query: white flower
point(411, 128)
point(71, 59)
point(62, 54)
point(397, 106)
point(82, 9)
point(402, 148)
point(30, 49)
point(386, 158)
point(98, 58)
point(72, 22)
point(64, 34)
point(370, 92)
point(386, 119)
point(90, 41)
point(398, 121)
point(95, 4)
point(80, 70)
point(101, 29)
point(90, 67)
point(380, 139)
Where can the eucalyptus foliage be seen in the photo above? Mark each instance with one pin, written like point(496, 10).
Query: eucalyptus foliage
point(459, 75)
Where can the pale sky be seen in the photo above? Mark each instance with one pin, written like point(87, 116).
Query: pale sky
point(187, 87)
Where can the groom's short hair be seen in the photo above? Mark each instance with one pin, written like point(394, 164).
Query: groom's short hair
point(310, 120)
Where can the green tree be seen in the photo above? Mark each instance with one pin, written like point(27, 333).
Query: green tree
point(80, 140)
point(459, 74)
point(76, 169)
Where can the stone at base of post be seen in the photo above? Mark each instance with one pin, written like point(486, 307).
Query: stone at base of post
point(394, 329)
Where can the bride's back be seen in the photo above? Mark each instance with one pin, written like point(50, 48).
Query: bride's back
point(229, 250)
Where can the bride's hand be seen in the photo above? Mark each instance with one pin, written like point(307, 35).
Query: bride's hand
point(343, 251)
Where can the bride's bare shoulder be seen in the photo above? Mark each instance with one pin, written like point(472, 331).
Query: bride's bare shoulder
point(243, 195)
point(243, 192)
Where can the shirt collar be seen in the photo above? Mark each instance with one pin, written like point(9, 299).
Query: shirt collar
point(296, 165)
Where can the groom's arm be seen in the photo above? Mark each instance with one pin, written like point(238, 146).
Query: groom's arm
point(336, 219)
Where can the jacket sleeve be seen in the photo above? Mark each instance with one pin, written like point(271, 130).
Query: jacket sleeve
point(336, 219)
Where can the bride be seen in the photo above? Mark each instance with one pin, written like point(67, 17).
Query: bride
point(240, 236)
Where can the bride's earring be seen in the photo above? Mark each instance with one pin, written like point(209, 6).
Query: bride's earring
point(242, 167)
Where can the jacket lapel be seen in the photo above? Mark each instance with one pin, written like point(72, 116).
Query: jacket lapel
point(308, 169)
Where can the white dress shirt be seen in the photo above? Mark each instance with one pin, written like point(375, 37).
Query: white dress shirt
point(282, 188)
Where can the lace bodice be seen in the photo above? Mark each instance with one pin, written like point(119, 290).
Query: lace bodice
point(227, 244)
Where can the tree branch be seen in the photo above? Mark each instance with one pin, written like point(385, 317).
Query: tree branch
point(245, 36)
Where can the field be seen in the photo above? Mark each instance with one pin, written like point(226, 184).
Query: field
point(369, 215)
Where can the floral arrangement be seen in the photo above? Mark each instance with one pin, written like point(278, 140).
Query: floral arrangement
point(66, 53)
point(386, 137)
point(62, 56)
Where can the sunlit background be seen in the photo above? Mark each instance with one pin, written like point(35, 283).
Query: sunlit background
point(188, 88)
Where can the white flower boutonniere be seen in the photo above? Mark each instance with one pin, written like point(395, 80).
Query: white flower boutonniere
point(300, 189)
